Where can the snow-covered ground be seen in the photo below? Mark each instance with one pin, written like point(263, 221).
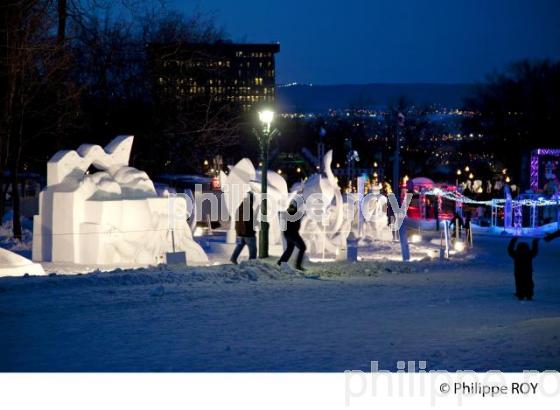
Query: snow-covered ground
point(457, 314)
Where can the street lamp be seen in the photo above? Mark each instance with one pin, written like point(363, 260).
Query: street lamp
point(266, 118)
point(458, 175)
point(264, 136)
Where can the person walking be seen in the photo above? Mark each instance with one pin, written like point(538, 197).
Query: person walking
point(293, 239)
point(523, 267)
point(456, 225)
point(436, 212)
point(245, 229)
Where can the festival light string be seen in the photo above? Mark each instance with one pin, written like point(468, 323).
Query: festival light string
point(500, 203)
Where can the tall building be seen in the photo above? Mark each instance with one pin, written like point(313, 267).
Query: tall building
point(240, 75)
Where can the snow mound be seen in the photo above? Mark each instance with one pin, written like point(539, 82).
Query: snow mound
point(12, 264)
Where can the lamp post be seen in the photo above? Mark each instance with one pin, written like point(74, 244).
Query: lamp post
point(265, 117)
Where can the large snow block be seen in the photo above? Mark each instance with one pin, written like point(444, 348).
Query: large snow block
point(112, 216)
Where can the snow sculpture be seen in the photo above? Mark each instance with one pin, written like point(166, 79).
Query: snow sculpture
point(243, 178)
point(12, 264)
point(327, 232)
point(374, 208)
point(278, 200)
point(113, 216)
point(234, 187)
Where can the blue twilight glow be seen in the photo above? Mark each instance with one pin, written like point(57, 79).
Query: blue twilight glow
point(364, 41)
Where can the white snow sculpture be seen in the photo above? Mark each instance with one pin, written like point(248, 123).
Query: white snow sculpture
point(113, 216)
point(374, 208)
point(278, 200)
point(328, 233)
point(328, 237)
point(12, 264)
point(243, 178)
point(236, 185)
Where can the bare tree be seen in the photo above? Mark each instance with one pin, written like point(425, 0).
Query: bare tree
point(31, 62)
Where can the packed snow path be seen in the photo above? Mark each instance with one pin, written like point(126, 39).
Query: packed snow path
point(255, 317)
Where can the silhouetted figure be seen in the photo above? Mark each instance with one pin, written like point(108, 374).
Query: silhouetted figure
point(245, 229)
point(390, 214)
point(436, 213)
point(468, 228)
point(456, 222)
point(427, 209)
point(523, 267)
point(293, 239)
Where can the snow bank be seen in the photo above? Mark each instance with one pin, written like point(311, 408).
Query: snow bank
point(12, 264)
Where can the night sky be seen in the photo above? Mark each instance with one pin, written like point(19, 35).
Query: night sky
point(368, 41)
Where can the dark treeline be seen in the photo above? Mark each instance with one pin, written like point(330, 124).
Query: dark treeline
point(76, 71)
point(518, 110)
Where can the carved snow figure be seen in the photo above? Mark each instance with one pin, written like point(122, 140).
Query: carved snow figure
point(112, 216)
point(324, 227)
point(243, 178)
point(325, 233)
point(374, 208)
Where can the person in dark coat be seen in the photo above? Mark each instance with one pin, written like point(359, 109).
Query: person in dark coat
point(427, 209)
point(245, 229)
point(457, 221)
point(468, 227)
point(523, 267)
point(293, 239)
point(436, 212)
point(390, 214)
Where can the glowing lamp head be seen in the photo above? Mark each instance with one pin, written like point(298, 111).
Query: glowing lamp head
point(266, 117)
point(415, 238)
